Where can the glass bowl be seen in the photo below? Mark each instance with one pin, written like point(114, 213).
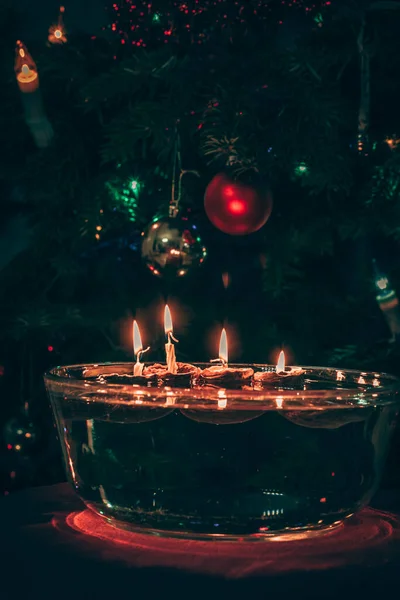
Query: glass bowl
point(291, 456)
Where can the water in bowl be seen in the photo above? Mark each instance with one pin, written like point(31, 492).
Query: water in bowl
point(236, 472)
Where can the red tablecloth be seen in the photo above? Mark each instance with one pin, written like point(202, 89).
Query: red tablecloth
point(52, 548)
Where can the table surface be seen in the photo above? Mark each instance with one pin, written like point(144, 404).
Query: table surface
point(52, 548)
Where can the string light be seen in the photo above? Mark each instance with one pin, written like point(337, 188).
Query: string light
point(301, 169)
point(392, 142)
point(135, 185)
point(28, 83)
point(25, 70)
point(126, 196)
point(198, 21)
point(57, 32)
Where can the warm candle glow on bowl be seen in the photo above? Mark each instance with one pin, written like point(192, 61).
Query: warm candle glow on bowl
point(223, 347)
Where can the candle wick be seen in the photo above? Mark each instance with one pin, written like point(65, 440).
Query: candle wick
point(219, 360)
point(140, 352)
point(171, 337)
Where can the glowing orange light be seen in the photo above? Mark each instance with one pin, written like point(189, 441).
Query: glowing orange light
point(361, 380)
point(223, 347)
point(392, 142)
point(226, 280)
point(340, 376)
point(137, 340)
point(322, 500)
point(167, 320)
point(280, 367)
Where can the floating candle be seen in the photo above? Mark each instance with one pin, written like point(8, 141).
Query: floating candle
point(138, 350)
point(282, 375)
point(223, 372)
point(173, 372)
point(169, 347)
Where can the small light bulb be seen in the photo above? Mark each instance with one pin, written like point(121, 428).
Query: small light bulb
point(134, 185)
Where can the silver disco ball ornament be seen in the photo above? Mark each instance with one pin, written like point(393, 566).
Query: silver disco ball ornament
point(172, 247)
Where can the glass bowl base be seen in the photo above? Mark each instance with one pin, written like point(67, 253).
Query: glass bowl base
point(284, 535)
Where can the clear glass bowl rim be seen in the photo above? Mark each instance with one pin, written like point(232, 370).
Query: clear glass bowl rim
point(58, 379)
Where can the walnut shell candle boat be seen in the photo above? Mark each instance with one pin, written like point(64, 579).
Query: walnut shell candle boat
point(222, 373)
point(280, 376)
point(226, 375)
point(185, 373)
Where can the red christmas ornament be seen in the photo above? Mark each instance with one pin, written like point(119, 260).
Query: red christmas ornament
point(234, 207)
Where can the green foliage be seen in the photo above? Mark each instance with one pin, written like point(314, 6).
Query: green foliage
point(249, 103)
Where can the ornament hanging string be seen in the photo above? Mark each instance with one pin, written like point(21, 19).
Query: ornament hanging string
point(177, 167)
point(176, 188)
point(365, 88)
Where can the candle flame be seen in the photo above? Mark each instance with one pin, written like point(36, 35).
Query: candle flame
point(280, 367)
point(223, 347)
point(167, 320)
point(137, 340)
